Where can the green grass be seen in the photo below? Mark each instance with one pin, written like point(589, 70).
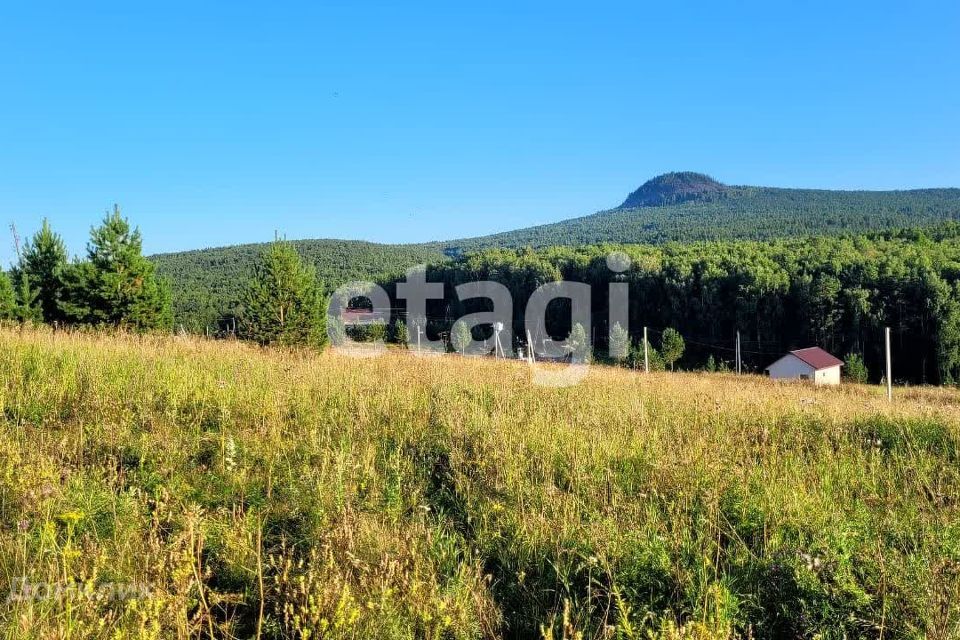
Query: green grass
point(287, 495)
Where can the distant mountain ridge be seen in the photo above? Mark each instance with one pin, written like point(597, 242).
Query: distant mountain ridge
point(673, 207)
point(689, 206)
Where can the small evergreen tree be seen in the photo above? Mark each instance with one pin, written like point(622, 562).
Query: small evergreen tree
point(854, 368)
point(336, 331)
point(401, 334)
point(43, 263)
point(377, 331)
point(26, 309)
point(282, 303)
point(579, 344)
point(116, 285)
point(672, 346)
point(460, 336)
point(619, 343)
point(635, 359)
point(711, 364)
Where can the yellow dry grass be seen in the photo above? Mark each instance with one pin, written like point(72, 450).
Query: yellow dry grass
point(256, 493)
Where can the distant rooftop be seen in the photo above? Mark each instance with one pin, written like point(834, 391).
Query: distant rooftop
point(817, 358)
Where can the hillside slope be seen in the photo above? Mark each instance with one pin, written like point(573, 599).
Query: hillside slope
point(735, 213)
point(207, 283)
point(678, 207)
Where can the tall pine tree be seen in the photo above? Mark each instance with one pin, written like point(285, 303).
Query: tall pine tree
point(283, 303)
point(43, 263)
point(116, 285)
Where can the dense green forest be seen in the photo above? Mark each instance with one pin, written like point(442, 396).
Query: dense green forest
point(834, 292)
point(675, 207)
point(683, 209)
point(209, 283)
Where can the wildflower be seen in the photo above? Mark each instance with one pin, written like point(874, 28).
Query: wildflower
point(72, 517)
point(230, 455)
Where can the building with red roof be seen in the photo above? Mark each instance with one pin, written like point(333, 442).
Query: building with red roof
point(812, 363)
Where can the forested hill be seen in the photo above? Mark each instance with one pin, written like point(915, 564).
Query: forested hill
point(207, 283)
point(687, 207)
point(673, 207)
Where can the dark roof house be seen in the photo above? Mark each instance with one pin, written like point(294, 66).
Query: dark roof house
point(812, 363)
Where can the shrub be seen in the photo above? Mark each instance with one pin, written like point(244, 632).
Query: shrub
point(854, 368)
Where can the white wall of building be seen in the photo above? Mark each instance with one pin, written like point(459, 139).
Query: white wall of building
point(830, 375)
point(790, 367)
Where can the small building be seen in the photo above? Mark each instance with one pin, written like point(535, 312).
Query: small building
point(361, 316)
point(812, 363)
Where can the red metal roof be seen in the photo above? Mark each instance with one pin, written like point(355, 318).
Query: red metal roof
point(817, 358)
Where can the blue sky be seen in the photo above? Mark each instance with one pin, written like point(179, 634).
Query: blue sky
point(402, 122)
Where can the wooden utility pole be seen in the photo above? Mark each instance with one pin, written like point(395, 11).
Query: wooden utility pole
point(889, 366)
point(646, 358)
point(738, 352)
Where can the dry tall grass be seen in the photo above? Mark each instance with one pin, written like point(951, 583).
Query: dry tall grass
point(281, 495)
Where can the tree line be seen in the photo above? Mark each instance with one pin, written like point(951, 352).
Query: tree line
point(834, 292)
point(114, 285)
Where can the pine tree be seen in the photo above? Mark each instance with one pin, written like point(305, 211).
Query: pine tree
point(116, 285)
point(460, 336)
point(43, 263)
point(619, 343)
point(579, 344)
point(283, 303)
point(854, 369)
point(26, 309)
point(672, 346)
point(336, 331)
point(401, 334)
point(8, 298)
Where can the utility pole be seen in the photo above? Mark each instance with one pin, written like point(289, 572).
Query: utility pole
point(646, 357)
point(16, 238)
point(738, 352)
point(886, 332)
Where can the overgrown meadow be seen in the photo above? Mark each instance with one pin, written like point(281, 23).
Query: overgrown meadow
point(181, 488)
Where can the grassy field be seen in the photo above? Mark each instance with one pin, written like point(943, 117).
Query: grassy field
point(175, 488)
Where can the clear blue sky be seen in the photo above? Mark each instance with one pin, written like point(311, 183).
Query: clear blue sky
point(402, 122)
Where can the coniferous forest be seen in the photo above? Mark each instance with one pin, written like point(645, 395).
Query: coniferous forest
point(834, 292)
